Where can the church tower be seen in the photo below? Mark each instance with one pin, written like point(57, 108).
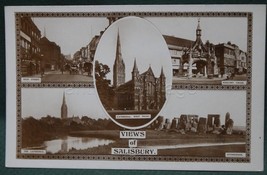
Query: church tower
point(135, 72)
point(162, 88)
point(119, 66)
point(64, 108)
point(136, 88)
point(198, 30)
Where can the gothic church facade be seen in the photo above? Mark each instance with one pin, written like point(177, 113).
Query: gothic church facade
point(143, 92)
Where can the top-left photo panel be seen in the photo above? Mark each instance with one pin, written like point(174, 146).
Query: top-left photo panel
point(57, 50)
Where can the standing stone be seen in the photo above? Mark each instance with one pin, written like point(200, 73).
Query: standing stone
point(217, 121)
point(210, 123)
point(167, 124)
point(214, 122)
point(202, 125)
point(182, 122)
point(229, 127)
point(174, 124)
point(183, 117)
point(159, 123)
point(227, 117)
point(229, 124)
point(190, 118)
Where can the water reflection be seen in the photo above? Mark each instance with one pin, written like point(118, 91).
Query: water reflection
point(65, 144)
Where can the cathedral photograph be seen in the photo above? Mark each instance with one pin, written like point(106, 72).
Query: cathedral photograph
point(133, 78)
point(143, 92)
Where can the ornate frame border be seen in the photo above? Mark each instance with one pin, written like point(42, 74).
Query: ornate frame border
point(246, 87)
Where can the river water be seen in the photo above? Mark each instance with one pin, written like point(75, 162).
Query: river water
point(65, 144)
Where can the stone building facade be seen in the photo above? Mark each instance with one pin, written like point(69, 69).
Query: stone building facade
point(84, 57)
point(143, 92)
point(241, 64)
point(29, 47)
point(231, 59)
point(176, 48)
point(51, 54)
point(202, 56)
point(226, 58)
point(195, 58)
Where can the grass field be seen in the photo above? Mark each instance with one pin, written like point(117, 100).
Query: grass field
point(162, 138)
point(212, 151)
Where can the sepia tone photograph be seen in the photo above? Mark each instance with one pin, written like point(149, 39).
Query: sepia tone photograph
point(133, 62)
point(132, 79)
point(148, 87)
point(70, 122)
point(59, 50)
point(207, 50)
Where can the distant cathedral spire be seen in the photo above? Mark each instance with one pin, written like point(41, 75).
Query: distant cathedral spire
point(135, 68)
point(162, 72)
point(64, 108)
point(119, 66)
point(118, 49)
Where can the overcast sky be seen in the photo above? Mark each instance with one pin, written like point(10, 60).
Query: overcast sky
point(139, 40)
point(45, 101)
point(73, 33)
point(207, 102)
point(40, 102)
point(216, 29)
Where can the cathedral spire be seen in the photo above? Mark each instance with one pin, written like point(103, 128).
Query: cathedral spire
point(135, 68)
point(162, 72)
point(64, 108)
point(119, 66)
point(118, 50)
point(135, 71)
point(64, 100)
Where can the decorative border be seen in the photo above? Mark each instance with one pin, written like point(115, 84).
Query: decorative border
point(136, 158)
point(246, 87)
point(140, 14)
point(58, 85)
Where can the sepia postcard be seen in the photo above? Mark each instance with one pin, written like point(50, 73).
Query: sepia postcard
point(135, 87)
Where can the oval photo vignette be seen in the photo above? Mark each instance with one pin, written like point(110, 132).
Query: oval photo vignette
point(132, 72)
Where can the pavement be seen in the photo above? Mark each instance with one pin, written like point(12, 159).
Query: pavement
point(65, 77)
point(201, 80)
point(205, 80)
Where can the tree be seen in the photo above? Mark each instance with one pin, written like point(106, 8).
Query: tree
point(103, 85)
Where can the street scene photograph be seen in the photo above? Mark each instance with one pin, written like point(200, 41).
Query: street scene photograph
point(207, 50)
point(59, 50)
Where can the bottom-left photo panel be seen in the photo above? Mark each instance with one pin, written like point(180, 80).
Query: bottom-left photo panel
point(52, 121)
